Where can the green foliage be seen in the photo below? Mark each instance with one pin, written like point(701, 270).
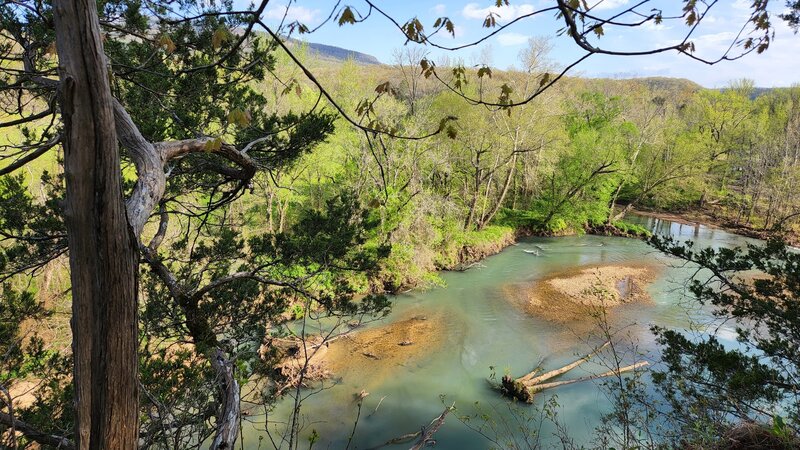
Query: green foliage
point(715, 383)
point(25, 356)
point(34, 229)
point(520, 219)
point(631, 229)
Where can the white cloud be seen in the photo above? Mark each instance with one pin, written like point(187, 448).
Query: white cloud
point(609, 4)
point(439, 9)
point(778, 66)
point(511, 39)
point(651, 25)
point(708, 44)
point(503, 13)
point(296, 13)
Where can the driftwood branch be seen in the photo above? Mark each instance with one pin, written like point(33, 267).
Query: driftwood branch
point(532, 380)
point(151, 179)
point(426, 434)
point(610, 373)
point(423, 437)
point(524, 388)
point(150, 159)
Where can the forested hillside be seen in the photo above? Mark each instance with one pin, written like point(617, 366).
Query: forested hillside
point(576, 159)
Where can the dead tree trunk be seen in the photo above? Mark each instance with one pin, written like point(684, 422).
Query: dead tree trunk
point(525, 387)
point(610, 373)
point(229, 414)
point(102, 248)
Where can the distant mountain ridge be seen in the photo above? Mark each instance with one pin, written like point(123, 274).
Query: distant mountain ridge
point(337, 53)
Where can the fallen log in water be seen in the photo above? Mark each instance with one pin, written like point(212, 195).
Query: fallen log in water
point(610, 373)
point(524, 388)
point(530, 379)
point(424, 437)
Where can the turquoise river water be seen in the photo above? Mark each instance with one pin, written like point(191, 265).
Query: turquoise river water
point(480, 326)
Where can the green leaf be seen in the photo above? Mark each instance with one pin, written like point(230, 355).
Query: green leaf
point(213, 145)
point(239, 117)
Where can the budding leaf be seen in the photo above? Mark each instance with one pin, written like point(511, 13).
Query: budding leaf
point(239, 117)
point(347, 16)
point(598, 30)
point(413, 30)
point(213, 145)
point(427, 68)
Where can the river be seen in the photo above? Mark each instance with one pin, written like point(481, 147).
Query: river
point(478, 326)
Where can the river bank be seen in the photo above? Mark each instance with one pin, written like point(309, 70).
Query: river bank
point(413, 268)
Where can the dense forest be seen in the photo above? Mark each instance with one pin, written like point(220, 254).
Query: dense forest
point(196, 206)
point(574, 160)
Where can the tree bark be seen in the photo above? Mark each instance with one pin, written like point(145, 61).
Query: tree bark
point(554, 373)
point(610, 373)
point(229, 414)
point(102, 248)
point(499, 204)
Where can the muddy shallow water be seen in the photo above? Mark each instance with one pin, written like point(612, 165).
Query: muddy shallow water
point(455, 333)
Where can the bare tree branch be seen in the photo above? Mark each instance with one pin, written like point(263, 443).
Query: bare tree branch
point(30, 432)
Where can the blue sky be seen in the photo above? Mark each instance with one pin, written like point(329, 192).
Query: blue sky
point(779, 66)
